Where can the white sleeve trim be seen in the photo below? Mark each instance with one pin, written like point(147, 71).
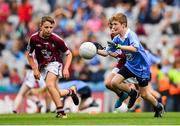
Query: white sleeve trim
point(67, 52)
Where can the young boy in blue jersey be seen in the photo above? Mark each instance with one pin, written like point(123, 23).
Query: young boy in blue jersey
point(121, 59)
point(84, 92)
point(137, 64)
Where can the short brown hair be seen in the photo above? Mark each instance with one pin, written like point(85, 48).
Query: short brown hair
point(110, 23)
point(120, 17)
point(47, 18)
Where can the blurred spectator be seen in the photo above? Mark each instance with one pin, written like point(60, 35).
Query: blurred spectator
point(97, 71)
point(94, 24)
point(3, 42)
point(85, 73)
point(14, 77)
point(144, 11)
point(165, 47)
point(166, 22)
point(140, 30)
point(177, 49)
point(80, 17)
point(4, 11)
point(174, 77)
point(13, 7)
point(176, 25)
point(17, 50)
point(4, 74)
point(52, 4)
point(176, 3)
point(25, 11)
point(156, 13)
point(32, 27)
point(4, 70)
point(80, 69)
point(40, 7)
point(13, 17)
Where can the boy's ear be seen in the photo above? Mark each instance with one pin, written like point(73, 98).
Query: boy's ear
point(40, 26)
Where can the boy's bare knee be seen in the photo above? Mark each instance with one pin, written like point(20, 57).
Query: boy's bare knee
point(143, 94)
point(114, 83)
point(50, 85)
point(108, 84)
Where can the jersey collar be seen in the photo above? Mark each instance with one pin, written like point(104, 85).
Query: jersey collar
point(127, 32)
point(125, 36)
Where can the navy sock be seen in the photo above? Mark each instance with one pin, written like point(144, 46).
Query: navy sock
point(132, 93)
point(159, 99)
point(59, 110)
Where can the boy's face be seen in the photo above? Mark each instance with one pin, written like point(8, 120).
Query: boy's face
point(46, 29)
point(111, 31)
point(117, 27)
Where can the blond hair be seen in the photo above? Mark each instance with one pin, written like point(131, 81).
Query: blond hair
point(120, 17)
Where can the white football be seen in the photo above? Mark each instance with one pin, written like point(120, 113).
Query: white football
point(87, 50)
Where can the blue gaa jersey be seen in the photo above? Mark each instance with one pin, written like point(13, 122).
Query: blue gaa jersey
point(153, 59)
point(137, 62)
point(78, 83)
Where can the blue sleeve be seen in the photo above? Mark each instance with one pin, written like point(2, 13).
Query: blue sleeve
point(133, 39)
point(153, 58)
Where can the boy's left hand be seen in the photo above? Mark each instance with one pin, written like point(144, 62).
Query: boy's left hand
point(66, 74)
point(113, 45)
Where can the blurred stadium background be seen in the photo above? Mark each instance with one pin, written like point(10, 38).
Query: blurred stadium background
point(157, 22)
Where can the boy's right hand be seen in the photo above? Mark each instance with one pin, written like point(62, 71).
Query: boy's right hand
point(98, 46)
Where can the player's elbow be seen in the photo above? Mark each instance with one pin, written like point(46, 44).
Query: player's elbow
point(27, 54)
point(69, 54)
point(133, 49)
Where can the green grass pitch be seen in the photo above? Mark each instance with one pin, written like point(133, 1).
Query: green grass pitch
point(169, 118)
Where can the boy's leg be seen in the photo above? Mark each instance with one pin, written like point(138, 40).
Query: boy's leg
point(146, 94)
point(117, 82)
point(122, 95)
point(72, 91)
point(158, 107)
point(73, 94)
point(54, 92)
point(108, 79)
point(21, 94)
point(48, 101)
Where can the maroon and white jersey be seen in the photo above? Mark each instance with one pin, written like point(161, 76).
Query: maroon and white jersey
point(121, 57)
point(47, 50)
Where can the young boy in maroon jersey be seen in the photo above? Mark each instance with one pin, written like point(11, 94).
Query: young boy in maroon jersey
point(49, 49)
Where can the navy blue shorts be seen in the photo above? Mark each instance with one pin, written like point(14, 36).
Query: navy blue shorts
point(84, 92)
point(126, 73)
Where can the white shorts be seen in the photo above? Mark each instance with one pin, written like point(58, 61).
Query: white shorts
point(31, 82)
point(53, 67)
point(131, 80)
point(115, 70)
